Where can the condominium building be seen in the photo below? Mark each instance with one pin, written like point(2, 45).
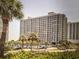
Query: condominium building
point(73, 32)
point(52, 27)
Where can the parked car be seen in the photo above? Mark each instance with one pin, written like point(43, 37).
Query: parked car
point(42, 47)
point(17, 48)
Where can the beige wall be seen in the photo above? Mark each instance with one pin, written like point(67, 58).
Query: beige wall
point(74, 41)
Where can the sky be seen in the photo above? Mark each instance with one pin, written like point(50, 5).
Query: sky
point(34, 8)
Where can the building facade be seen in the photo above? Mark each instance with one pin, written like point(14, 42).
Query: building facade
point(73, 32)
point(52, 27)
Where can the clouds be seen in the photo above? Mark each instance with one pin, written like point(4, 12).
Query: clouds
point(70, 8)
point(41, 7)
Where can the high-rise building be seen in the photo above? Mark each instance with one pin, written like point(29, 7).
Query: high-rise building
point(73, 32)
point(52, 27)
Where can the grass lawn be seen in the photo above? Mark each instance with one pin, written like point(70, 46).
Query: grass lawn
point(43, 55)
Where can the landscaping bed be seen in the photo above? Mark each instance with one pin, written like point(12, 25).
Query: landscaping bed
point(44, 55)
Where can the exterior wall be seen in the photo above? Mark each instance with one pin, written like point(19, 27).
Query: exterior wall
point(57, 28)
point(73, 29)
point(52, 27)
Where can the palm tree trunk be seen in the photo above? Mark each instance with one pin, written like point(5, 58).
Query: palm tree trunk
point(31, 45)
point(22, 45)
point(3, 36)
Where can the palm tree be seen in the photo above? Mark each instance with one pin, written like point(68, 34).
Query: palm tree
point(32, 38)
point(11, 44)
point(23, 40)
point(9, 9)
point(46, 45)
point(37, 42)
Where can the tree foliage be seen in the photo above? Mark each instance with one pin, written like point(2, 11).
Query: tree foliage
point(11, 9)
point(65, 44)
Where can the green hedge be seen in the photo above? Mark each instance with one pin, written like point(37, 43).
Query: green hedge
point(46, 55)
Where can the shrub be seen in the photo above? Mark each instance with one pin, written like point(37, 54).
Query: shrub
point(46, 55)
point(64, 44)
